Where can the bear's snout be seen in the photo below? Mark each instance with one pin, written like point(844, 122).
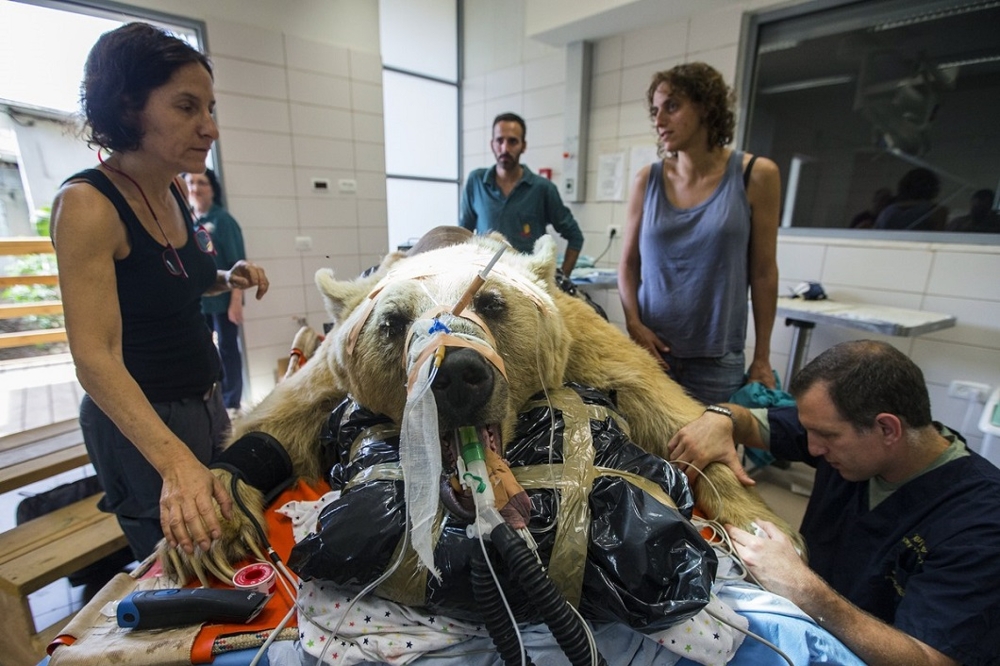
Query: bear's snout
point(462, 387)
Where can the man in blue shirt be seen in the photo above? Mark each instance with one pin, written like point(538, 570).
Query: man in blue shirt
point(509, 198)
point(903, 525)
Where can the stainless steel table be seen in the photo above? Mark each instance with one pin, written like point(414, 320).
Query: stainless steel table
point(595, 279)
point(804, 315)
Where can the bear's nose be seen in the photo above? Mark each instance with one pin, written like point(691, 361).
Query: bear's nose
point(464, 384)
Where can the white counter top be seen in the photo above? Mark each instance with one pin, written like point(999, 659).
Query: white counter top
point(866, 316)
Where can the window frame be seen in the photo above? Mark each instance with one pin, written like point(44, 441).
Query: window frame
point(114, 10)
point(457, 83)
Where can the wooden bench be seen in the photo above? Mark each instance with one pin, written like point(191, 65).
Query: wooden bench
point(40, 453)
point(41, 551)
point(49, 547)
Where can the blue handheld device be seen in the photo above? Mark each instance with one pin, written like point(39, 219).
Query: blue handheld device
point(151, 609)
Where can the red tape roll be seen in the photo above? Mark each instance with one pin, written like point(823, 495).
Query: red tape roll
point(259, 576)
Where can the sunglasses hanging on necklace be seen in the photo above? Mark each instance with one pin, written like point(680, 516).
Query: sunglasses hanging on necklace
point(171, 259)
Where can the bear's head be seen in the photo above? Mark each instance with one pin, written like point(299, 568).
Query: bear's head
point(506, 345)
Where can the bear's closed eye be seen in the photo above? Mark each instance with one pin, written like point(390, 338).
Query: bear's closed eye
point(393, 325)
point(490, 304)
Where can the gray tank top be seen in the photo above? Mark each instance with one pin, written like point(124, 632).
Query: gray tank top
point(694, 275)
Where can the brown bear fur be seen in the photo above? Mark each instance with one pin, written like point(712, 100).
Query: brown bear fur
point(544, 336)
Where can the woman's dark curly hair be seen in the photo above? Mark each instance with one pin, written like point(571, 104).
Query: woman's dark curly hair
point(123, 67)
point(702, 84)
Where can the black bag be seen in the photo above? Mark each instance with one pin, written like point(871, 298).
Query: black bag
point(95, 575)
point(46, 502)
point(643, 562)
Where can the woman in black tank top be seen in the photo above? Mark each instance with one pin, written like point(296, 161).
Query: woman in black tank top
point(132, 272)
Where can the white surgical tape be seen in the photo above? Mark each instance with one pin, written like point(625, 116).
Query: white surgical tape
point(420, 454)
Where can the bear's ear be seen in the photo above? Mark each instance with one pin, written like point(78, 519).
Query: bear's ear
point(388, 260)
point(342, 296)
point(543, 260)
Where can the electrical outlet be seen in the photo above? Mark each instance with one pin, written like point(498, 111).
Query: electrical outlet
point(614, 231)
point(969, 390)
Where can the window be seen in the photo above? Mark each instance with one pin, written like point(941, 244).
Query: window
point(42, 54)
point(880, 115)
point(43, 47)
point(421, 101)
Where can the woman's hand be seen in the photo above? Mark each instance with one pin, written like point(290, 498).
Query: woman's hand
point(245, 274)
point(760, 371)
point(643, 336)
point(187, 510)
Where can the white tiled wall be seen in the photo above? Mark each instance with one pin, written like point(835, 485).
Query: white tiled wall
point(290, 110)
point(934, 277)
point(954, 279)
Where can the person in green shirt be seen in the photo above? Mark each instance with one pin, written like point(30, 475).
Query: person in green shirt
point(511, 199)
point(223, 313)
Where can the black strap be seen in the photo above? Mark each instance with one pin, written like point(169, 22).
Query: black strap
point(100, 181)
point(746, 172)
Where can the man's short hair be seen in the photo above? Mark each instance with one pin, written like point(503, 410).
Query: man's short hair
point(511, 118)
point(865, 378)
point(918, 184)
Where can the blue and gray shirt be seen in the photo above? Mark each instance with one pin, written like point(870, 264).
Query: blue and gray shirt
point(523, 215)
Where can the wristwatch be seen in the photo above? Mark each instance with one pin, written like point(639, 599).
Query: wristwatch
point(725, 411)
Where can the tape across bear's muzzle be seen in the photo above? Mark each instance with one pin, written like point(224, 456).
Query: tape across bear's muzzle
point(431, 334)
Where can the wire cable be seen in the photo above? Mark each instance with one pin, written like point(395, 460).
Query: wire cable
point(973, 401)
point(717, 529)
point(591, 641)
point(363, 593)
point(751, 635)
point(607, 247)
point(556, 493)
point(388, 572)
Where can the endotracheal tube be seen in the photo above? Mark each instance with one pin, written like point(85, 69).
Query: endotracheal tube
point(475, 476)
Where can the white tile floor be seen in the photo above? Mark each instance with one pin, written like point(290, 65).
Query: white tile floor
point(37, 391)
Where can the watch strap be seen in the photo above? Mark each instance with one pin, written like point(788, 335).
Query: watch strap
point(725, 411)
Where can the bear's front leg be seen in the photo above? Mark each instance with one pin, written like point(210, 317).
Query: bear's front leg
point(243, 535)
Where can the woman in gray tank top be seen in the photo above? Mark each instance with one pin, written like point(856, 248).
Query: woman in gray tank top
point(701, 230)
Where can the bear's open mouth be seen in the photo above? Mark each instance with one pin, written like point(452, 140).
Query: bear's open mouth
point(455, 497)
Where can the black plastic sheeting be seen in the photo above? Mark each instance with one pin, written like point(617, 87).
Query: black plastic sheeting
point(647, 565)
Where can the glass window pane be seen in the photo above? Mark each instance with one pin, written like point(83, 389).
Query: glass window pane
point(420, 36)
point(421, 127)
point(881, 116)
point(50, 78)
point(416, 206)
